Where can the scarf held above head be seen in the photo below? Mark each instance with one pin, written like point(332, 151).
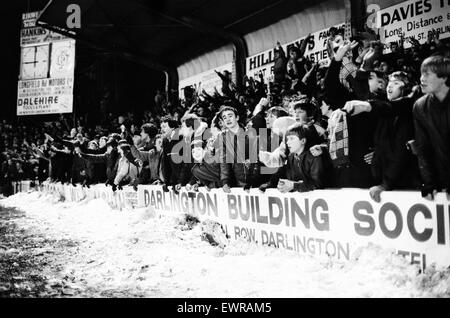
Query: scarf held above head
point(338, 134)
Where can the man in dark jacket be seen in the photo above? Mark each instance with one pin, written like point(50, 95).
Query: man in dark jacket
point(8, 174)
point(98, 168)
point(110, 158)
point(79, 167)
point(432, 125)
point(62, 163)
point(170, 137)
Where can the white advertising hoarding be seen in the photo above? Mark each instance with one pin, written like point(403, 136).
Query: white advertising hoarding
point(321, 223)
point(316, 51)
point(324, 223)
point(413, 19)
point(208, 81)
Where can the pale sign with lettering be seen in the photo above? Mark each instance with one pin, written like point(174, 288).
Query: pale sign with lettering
point(47, 64)
point(45, 96)
point(31, 34)
point(316, 51)
point(327, 223)
point(414, 18)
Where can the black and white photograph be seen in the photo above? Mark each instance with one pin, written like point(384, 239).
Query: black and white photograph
point(225, 154)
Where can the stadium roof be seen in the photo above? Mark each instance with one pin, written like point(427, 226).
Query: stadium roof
point(167, 32)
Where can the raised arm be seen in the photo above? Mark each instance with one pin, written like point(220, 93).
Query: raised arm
point(333, 88)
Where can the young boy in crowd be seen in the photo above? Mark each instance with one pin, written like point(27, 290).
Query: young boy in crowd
point(303, 171)
point(237, 153)
point(169, 128)
point(148, 133)
point(432, 125)
point(303, 112)
point(393, 165)
point(206, 169)
point(150, 161)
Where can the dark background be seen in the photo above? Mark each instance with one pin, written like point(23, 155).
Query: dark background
point(121, 84)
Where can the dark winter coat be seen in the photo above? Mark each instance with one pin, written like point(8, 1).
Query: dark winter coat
point(432, 132)
point(79, 169)
point(170, 168)
point(97, 170)
point(62, 166)
point(109, 159)
point(309, 172)
point(208, 171)
point(393, 165)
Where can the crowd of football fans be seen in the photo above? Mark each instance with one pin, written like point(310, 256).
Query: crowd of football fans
point(365, 120)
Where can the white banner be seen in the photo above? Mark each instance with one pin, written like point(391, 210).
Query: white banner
point(322, 223)
point(414, 18)
point(316, 50)
point(209, 81)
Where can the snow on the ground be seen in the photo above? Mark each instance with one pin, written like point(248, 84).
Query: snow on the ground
point(138, 254)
